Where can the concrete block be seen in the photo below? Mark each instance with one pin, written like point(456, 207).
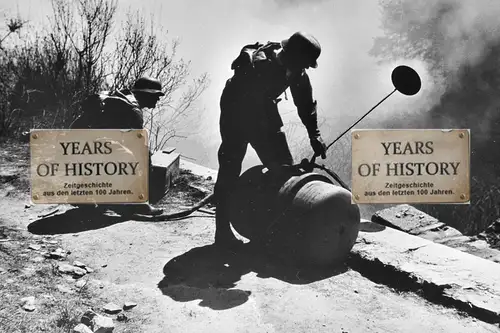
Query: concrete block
point(199, 170)
point(405, 218)
point(165, 169)
point(469, 282)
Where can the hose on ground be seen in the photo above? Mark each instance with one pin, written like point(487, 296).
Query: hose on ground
point(304, 164)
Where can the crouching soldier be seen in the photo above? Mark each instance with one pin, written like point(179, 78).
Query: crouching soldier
point(121, 109)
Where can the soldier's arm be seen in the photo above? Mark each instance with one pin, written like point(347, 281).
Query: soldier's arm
point(303, 99)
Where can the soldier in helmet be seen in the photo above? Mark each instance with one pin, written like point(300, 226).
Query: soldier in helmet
point(122, 109)
point(249, 113)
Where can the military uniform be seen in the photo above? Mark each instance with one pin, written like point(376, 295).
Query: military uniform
point(249, 115)
point(120, 110)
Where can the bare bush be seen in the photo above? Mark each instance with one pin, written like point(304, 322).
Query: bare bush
point(48, 76)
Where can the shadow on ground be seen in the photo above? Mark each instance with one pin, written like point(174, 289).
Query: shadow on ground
point(209, 274)
point(73, 221)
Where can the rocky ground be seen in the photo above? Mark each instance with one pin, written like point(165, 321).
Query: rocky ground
point(61, 271)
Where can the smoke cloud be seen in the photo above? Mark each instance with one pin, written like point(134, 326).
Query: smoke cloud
point(452, 44)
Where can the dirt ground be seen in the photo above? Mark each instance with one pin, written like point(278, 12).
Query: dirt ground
point(177, 280)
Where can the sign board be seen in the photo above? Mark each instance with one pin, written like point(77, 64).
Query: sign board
point(411, 166)
point(89, 166)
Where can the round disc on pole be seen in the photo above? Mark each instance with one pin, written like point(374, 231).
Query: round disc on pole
point(406, 80)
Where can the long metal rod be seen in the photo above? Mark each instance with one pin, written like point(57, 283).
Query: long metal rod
point(347, 130)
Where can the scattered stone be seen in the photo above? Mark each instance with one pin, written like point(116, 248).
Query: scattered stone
point(64, 289)
point(105, 265)
point(79, 271)
point(58, 254)
point(88, 269)
point(66, 268)
point(38, 259)
point(121, 317)
point(80, 283)
point(50, 241)
point(35, 247)
point(27, 206)
point(28, 303)
point(79, 264)
point(70, 269)
point(101, 324)
point(87, 317)
point(129, 305)
point(479, 244)
point(82, 328)
point(482, 235)
point(112, 308)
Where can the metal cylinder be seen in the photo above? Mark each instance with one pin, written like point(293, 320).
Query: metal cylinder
point(301, 215)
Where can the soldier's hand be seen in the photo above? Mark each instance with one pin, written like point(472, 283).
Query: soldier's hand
point(319, 147)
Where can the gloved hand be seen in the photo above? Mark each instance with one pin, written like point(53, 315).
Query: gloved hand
point(319, 147)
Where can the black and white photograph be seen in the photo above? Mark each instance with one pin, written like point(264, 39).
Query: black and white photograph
point(278, 166)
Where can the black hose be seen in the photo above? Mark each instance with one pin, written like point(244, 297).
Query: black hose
point(306, 165)
point(185, 213)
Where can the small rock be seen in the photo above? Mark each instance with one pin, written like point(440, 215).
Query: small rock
point(79, 271)
point(57, 254)
point(64, 289)
point(27, 206)
point(398, 215)
point(482, 235)
point(88, 269)
point(28, 303)
point(101, 324)
point(87, 317)
point(121, 317)
point(112, 308)
point(82, 328)
point(129, 305)
point(66, 268)
point(209, 178)
point(80, 283)
point(70, 269)
point(38, 259)
point(79, 264)
point(105, 265)
point(35, 247)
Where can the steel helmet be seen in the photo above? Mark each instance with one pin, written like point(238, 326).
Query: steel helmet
point(148, 85)
point(304, 46)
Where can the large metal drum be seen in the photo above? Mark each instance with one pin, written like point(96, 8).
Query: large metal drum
point(300, 215)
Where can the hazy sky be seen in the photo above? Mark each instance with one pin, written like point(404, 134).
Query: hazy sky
point(346, 84)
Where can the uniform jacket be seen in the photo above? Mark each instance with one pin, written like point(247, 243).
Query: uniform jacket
point(111, 110)
point(260, 79)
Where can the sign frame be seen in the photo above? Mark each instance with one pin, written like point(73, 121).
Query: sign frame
point(89, 166)
point(452, 186)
